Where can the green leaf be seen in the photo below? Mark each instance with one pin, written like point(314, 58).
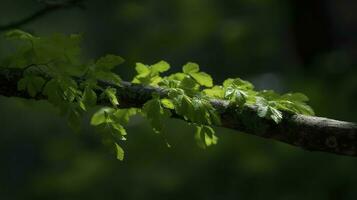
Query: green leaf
point(235, 95)
point(210, 137)
point(122, 116)
point(119, 151)
point(188, 84)
point(89, 97)
point(199, 137)
point(167, 103)
point(111, 94)
point(265, 110)
point(190, 68)
point(262, 107)
point(156, 113)
point(160, 67)
point(239, 92)
point(33, 84)
point(295, 103)
point(109, 77)
point(111, 121)
point(215, 92)
point(290, 102)
point(295, 97)
point(101, 116)
point(238, 83)
point(70, 94)
point(197, 110)
point(144, 74)
point(275, 115)
point(66, 82)
point(118, 129)
point(177, 77)
point(203, 78)
point(150, 75)
point(53, 92)
point(205, 136)
point(108, 62)
point(269, 95)
point(63, 50)
point(142, 69)
point(182, 102)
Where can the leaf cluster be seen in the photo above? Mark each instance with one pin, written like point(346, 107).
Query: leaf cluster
point(53, 67)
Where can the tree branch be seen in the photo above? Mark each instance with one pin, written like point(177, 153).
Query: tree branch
point(310, 133)
point(49, 8)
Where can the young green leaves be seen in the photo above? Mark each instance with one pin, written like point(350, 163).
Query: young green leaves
point(237, 91)
point(75, 87)
point(184, 98)
point(294, 103)
point(266, 109)
point(269, 104)
point(202, 78)
point(205, 136)
point(150, 75)
point(196, 110)
point(110, 93)
point(61, 50)
point(102, 69)
point(108, 62)
point(119, 152)
point(111, 122)
point(156, 113)
point(106, 117)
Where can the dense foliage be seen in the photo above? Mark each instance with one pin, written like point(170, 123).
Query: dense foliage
point(53, 67)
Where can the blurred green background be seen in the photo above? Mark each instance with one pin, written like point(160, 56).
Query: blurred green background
point(286, 45)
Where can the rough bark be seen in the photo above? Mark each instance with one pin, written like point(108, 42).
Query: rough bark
point(310, 133)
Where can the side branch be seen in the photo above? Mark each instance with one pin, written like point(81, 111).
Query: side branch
point(49, 8)
point(310, 133)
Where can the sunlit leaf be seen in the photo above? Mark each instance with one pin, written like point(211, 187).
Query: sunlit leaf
point(122, 116)
point(119, 152)
point(190, 68)
point(110, 93)
point(205, 136)
point(167, 103)
point(100, 116)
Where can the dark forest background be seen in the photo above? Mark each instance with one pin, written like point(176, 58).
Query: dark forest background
point(286, 45)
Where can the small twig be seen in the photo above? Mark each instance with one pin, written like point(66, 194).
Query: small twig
point(50, 6)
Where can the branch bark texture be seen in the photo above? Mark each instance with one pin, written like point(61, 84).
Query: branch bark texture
point(309, 133)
